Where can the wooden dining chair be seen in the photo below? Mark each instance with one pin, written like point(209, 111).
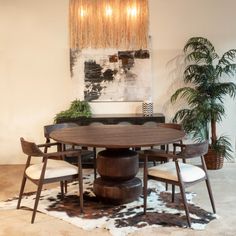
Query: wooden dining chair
point(49, 171)
point(50, 128)
point(86, 154)
point(180, 174)
point(158, 154)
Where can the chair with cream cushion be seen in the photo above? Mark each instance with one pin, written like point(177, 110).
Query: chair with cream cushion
point(158, 154)
point(88, 156)
point(180, 174)
point(49, 171)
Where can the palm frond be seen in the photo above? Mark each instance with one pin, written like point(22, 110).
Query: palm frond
point(182, 92)
point(179, 116)
point(199, 74)
point(187, 117)
point(217, 111)
point(219, 90)
point(223, 147)
point(228, 70)
point(200, 45)
point(198, 57)
point(227, 58)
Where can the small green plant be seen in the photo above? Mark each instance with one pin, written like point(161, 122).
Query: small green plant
point(77, 109)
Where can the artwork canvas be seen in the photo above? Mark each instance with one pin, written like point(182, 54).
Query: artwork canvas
point(114, 75)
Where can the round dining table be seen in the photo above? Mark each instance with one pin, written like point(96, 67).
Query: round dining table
point(118, 162)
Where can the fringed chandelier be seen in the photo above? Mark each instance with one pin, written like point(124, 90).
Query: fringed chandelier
point(119, 24)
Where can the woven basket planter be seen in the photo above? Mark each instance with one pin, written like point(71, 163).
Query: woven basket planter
point(213, 160)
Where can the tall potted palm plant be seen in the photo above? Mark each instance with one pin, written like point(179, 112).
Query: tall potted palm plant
point(206, 82)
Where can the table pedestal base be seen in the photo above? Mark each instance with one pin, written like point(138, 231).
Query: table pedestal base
point(117, 168)
point(117, 192)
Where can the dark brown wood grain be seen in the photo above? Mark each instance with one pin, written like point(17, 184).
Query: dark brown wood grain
point(117, 136)
point(117, 168)
point(117, 164)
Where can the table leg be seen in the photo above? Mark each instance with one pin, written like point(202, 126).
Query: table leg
point(117, 168)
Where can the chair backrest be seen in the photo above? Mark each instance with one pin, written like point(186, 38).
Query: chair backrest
point(171, 125)
point(194, 150)
point(30, 149)
point(49, 128)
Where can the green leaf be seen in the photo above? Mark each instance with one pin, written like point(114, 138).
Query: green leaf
point(223, 147)
point(205, 90)
point(77, 109)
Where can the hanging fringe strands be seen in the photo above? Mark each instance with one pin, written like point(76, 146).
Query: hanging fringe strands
point(109, 24)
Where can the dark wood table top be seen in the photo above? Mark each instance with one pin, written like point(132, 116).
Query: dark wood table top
point(117, 136)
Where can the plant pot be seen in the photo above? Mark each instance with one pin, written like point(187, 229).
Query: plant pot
point(213, 160)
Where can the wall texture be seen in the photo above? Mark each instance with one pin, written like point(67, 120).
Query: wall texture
point(34, 62)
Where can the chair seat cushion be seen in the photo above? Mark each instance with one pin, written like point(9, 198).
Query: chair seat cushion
point(54, 169)
point(168, 171)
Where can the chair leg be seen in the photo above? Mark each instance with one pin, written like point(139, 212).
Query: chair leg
point(182, 190)
point(62, 189)
point(21, 191)
point(173, 193)
point(94, 163)
point(66, 186)
point(145, 179)
point(81, 198)
point(210, 195)
point(36, 202)
point(208, 185)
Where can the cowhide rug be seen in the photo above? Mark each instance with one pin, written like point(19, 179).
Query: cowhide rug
point(119, 220)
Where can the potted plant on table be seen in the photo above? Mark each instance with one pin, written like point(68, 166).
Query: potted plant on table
point(206, 87)
point(77, 109)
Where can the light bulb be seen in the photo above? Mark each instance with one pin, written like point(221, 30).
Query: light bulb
point(108, 11)
point(82, 12)
point(132, 11)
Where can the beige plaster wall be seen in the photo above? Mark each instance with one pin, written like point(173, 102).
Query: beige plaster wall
point(34, 62)
point(172, 22)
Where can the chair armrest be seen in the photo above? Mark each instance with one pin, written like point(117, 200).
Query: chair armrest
point(169, 156)
point(151, 153)
point(48, 144)
point(178, 145)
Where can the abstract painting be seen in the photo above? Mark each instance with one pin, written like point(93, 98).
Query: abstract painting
point(116, 76)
